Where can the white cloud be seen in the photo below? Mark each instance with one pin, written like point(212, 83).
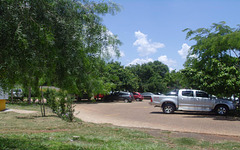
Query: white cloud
point(140, 61)
point(184, 51)
point(164, 59)
point(145, 46)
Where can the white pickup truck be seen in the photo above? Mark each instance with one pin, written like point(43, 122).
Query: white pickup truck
point(191, 100)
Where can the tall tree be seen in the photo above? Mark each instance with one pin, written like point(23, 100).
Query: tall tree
point(215, 58)
point(62, 42)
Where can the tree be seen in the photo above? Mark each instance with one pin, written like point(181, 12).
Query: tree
point(56, 40)
point(215, 59)
point(150, 76)
point(174, 80)
point(61, 42)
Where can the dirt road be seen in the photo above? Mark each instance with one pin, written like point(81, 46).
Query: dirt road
point(143, 115)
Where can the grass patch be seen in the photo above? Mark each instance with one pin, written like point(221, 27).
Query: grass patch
point(186, 141)
point(31, 131)
point(23, 105)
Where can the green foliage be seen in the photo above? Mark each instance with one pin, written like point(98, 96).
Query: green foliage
point(61, 103)
point(61, 43)
point(50, 96)
point(153, 76)
point(174, 80)
point(213, 63)
point(150, 76)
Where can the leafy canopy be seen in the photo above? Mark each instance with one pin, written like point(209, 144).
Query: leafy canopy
point(213, 63)
point(59, 43)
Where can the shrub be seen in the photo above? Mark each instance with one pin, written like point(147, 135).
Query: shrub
point(50, 96)
point(61, 103)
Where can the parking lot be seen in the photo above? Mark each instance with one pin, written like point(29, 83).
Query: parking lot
point(143, 115)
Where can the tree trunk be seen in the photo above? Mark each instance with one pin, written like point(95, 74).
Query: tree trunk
point(29, 94)
point(44, 114)
point(42, 104)
point(11, 95)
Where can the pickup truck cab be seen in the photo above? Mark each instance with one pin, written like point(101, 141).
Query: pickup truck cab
point(191, 100)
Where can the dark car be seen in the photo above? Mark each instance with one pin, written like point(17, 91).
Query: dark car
point(115, 96)
point(147, 95)
point(137, 96)
point(82, 96)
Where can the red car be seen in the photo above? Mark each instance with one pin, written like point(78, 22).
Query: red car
point(99, 96)
point(137, 96)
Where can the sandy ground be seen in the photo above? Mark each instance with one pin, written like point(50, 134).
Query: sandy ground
point(20, 111)
point(142, 116)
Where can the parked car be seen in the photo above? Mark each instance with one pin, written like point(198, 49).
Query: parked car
point(147, 95)
point(192, 100)
point(17, 94)
point(158, 93)
point(82, 96)
point(3, 95)
point(99, 96)
point(127, 97)
point(137, 96)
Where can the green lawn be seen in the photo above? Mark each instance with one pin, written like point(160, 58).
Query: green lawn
point(31, 131)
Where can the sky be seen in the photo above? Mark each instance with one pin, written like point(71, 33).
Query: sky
point(151, 30)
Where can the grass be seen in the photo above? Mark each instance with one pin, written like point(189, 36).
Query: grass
point(31, 131)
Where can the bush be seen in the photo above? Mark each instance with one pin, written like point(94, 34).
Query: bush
point(50, 96)
point(61, 103)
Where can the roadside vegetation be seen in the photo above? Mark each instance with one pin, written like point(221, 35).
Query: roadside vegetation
point(31, 131)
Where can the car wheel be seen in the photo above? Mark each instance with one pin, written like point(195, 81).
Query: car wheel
point(137, 99)
point(168, 108)
point(125, 100)
point(221, 110)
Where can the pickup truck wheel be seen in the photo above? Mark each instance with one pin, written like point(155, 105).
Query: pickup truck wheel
point(168, 108)
point(221, 110)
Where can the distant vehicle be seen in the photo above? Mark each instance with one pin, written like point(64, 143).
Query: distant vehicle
point(147, 95)
point(83, 96)
point(99, 96)
point(138, 96)
point(191, 100)
point(17, 94)
point(3, 95)
point(116, 96)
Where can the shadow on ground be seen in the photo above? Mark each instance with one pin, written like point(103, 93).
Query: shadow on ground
point(192, 114)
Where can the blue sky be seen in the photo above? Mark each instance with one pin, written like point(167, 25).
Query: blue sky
point(152, 29)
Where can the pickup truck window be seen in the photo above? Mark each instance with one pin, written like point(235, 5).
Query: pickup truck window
point(187, 93)
point(201, 94)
